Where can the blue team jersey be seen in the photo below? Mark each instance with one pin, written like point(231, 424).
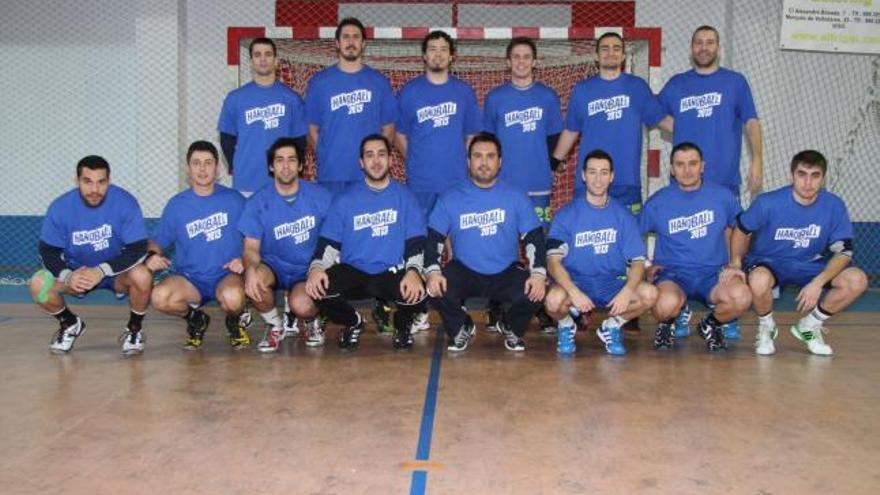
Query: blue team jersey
point(522, 118)
point(372, 226)
point(710, 111)
point(89, 235)
point(609, 115)
point(203, 230)
point(347, 107)
point(599, 241)
point(436, 118)
point(690, 225)
point(783, 229)
point(485, 225)
point(288, 232)
point(257, 116)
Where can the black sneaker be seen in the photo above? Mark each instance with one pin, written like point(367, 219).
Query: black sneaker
point(548, 325)
point(196, 325)
point(237, 332)
point(663, 338)
point(402, 337)
point(511, 341)
point(348, 339)
point(382, 317)
point(714, 336)
point(464, 335)
point(494, 317)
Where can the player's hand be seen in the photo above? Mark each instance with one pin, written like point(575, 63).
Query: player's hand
point(756, 177)
point(411, 287)
point(436, 284)
point(808, 297)
point(91, 278)
point(581, 301)
point(731, 273)
point(317, 284)
point(253, 284)
point(235, 266)
point(535, 287)
point(621, 302)
point(652, 271)
point(157, 262)
point(77, 282)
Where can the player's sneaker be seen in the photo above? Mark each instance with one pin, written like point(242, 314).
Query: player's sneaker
point(132, 342)
point(64, 338)
point(814, 340)
point(681, 322)
point(548, 326)
point(664, 337)
point(403, 336)
point(512, 342)
point(420, 322)
point(271, 339)
point(463, 337)
point(349, 338)
point(731, 330)
point(565, 340)
point(382, 317)
point(494, 317)
point(714, 336)
point(196, 326)
point(612, 336)
point(764, 340)
point(315, 332)
point(237, 333)
point(290, 324)
point(245, 317)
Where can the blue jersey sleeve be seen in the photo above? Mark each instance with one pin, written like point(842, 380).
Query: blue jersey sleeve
point(573, 118)
point(745, 105)
point(226, 122)
point(133, 226)
point(249, 224)
point(632, 246)
point(333, 227)
point(473, 122)
point(666, 98)
point(389, 103)
point(755, 217)
point(298, 126)
point(554, 114)
point(526, 219)
point(313, 103)
point(646, 218)
point(439, 217)
point(52, 232)
point(415, 219)
point(489, 123)
point(559, 227)
point(841, 226)
point(733, 208)
point(404, 117)
point(164, 235)
point(653, 112)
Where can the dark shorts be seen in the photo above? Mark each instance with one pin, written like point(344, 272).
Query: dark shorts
point(788, 272)
point(206, 287)
point(285, 280)
point(696, 283)
point(601, 290)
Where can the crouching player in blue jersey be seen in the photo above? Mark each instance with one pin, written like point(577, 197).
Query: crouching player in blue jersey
point(280, 224)
point(485, 218)
point(800, 235)
point(371, 245)
point(201, 223)
point(596, 259)
point(692, 221)
point(93, 237)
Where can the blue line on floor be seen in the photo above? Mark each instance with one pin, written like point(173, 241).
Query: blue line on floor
point(423, 451)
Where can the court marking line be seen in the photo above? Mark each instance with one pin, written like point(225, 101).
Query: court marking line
point(426, 429)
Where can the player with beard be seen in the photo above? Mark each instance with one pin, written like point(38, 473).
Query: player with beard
point(485, 219)
point(280, 224)
point(93, 237)
point(371, 245)
point(201, 223)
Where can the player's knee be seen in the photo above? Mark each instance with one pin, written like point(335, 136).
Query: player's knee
point(556, 301)
point(303, 305)
point(854, 281)
point(231, 299)
point(668, 305)
point(160, 297)
point(140, 277)
point(38, 281)
point(760, 281)
point(647, 295)
point(740, 297)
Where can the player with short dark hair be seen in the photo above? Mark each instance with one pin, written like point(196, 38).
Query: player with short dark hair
point(201, 223)
point(93, 237)
point(798, 235)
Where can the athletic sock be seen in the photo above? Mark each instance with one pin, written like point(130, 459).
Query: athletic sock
point(767, 320)
point(568, 321)
point(814, 319)
point(271, 317)
point(712, 320)
point(135, 321)
point(65, 316)
point(618, 321)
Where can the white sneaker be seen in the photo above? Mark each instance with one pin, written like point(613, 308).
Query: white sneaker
point(420, 322)
point(315, 332)
point(132, 342)
point(814, 340)
point(65, 337)
point(764, 340)
point(271, 339)
point(245, 318)
point(291, 325)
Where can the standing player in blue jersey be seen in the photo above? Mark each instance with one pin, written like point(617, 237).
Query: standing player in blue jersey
point(371, 245)
point(345, 103)
point(280, 224)
point(254, 116)
point(525, 114)
point(710, 105)
point(93, 237)
point(201, 223)
point(596, 258)
point(485, 219)
point(801, 235)
point(608, 112)
point(692, 220)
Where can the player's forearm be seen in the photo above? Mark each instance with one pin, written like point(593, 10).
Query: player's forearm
point(414, 254)
point(739, 246)
point(635, 274)
point(227, 144)
point(434, 251)
point(400, 142)
point(536, 251)
point(53, 260)
point(132, 254)
point(558, 273)
point(835, 265)
point(313, 136)
point(251, 258)
point(389, 132)
point(667, 124)
point(755, 138)
point(563, 146)
point(326, 254)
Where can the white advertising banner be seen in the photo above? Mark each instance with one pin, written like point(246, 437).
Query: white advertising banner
point(831, 26)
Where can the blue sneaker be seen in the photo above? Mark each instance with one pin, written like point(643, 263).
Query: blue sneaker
point(612, 336)
point(565, 340)
point(731, 330)
point(681, 323)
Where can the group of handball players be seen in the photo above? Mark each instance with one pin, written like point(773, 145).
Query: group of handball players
point(473, 219)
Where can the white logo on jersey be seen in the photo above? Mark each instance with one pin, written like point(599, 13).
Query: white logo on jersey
point(211, 226)
point(486, 221)
point(354, 100)
point(99, 238)
point(378, 221)
point(300, 229)
point(438, 113)
point(269, 115)
point(801, 237)
point(701, 103)
point(599, 239)
point(529, 118)
point(613, 107)
point(697, 224)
